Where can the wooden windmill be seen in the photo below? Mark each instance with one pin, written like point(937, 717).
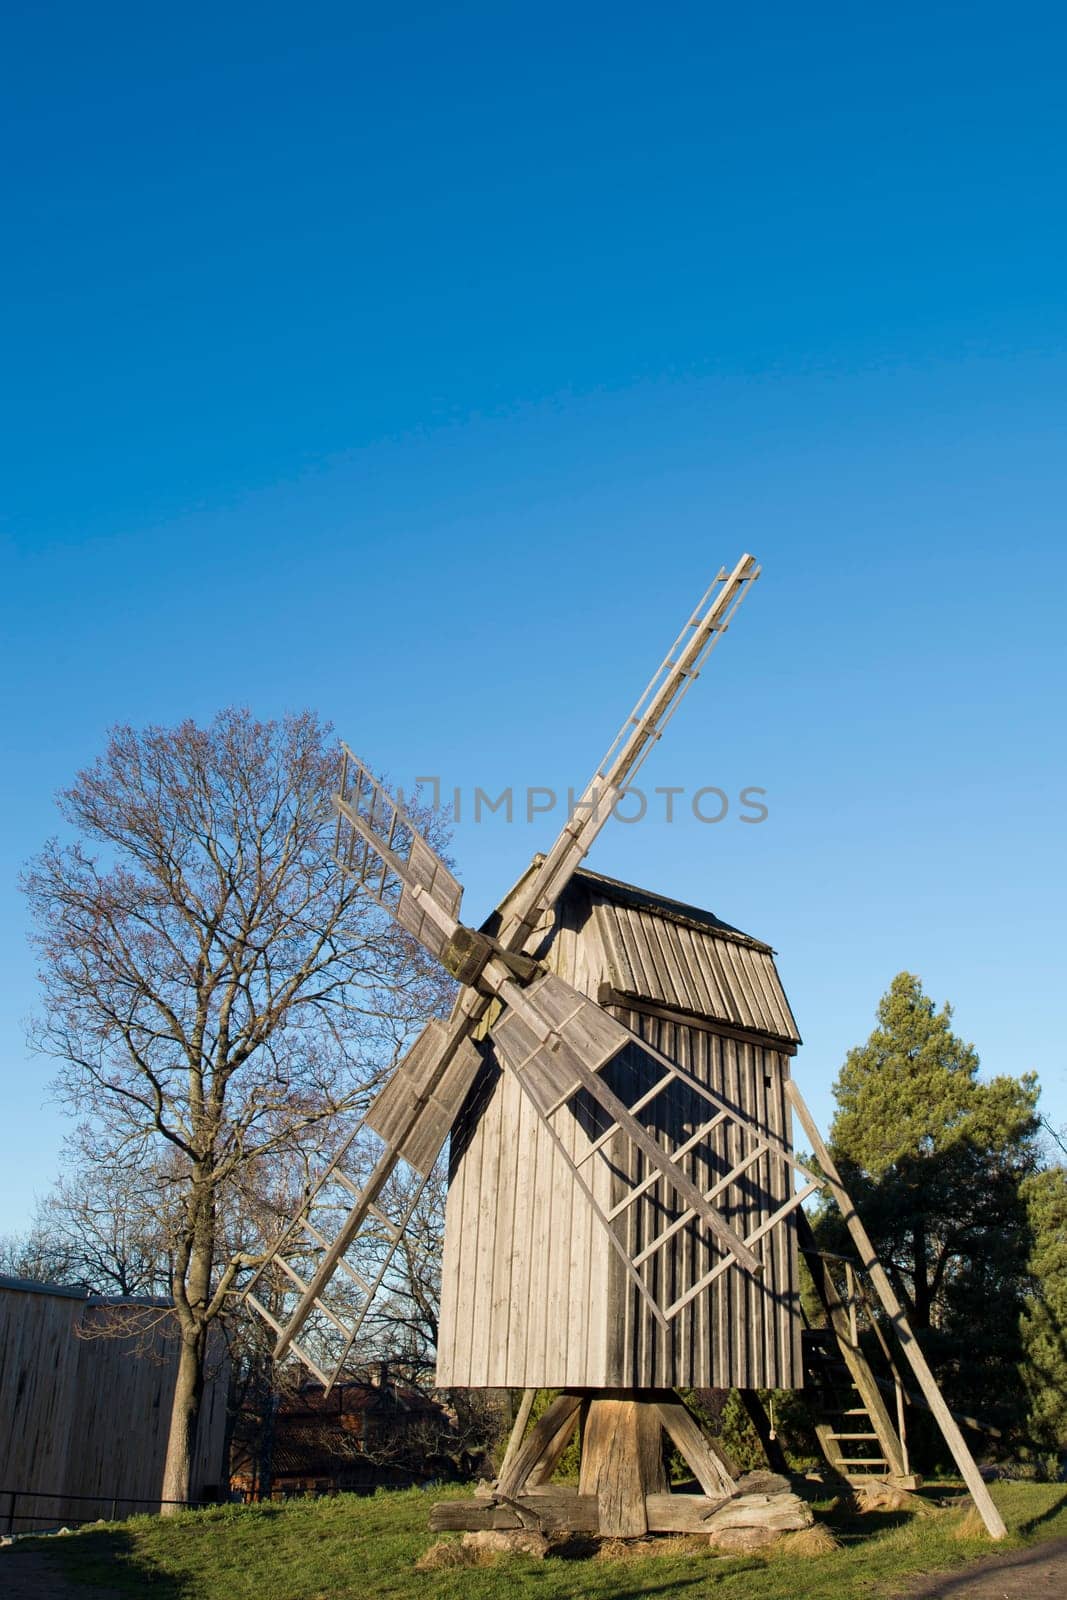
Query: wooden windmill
point(624, 1201)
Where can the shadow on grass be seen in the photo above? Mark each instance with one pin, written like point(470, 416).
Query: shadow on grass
point(851, 1527)
point(108, 1559)
point(1049, 1512)
point(704, 1580)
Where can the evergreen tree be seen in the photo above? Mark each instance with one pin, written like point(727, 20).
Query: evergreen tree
point(1044, 1321)
point(934, 1159)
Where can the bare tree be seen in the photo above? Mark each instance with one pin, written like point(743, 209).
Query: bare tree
point(105, 1225)
point(34, 1254)
point(216, 991)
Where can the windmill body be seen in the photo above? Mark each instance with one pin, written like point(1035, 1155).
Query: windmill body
point(625, 1204)
point(532, 1295)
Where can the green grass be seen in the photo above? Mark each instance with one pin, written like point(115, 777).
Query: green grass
point(350, 1548)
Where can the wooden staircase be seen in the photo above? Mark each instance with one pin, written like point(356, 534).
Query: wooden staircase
point(856, 1443)
point(858, 1436)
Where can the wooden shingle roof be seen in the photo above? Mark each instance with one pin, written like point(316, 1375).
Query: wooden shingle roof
point(670, 954)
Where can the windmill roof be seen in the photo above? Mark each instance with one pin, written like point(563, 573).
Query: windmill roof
point(662, 905)
point(667, 953)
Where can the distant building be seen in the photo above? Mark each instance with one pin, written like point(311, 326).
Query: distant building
point(86, 1384)
point(358, 1438)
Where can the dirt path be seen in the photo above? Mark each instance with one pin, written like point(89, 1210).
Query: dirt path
point(1039, 1573)
point(29, 1575)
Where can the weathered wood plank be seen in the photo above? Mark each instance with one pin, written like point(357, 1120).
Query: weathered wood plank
point(622, 1461)
point(546, 1442)
point(701, 1452)
point(558, 1510)
point(680, 1513)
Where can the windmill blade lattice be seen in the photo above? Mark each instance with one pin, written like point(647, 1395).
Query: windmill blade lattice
point(380, 846)
point(360, 1279)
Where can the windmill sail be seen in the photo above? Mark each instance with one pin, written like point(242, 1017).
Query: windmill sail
point(556, 1041)
point(561, 1047)
point(670, 684)
point(378, 844)
point(359, 1274)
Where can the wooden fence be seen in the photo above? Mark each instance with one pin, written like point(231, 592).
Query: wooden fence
point(85, 1396)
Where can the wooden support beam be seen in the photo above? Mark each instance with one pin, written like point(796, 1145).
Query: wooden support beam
point(759, 1419)
point(622, 1461)
point(702, 1454)
point(544, 1444)
point(518, 1431)
point(894, 1310)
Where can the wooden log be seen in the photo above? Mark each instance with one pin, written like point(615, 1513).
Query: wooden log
point(679, 1513)
point(700, 1513)
point(622, 1461)
point(887, 1295)
point(781, 1512)
point(555, 1510)
point(698, 1449)
point(544, 1444)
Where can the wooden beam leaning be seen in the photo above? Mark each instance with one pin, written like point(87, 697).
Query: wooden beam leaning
point(894, 1310)
point(686, 1434)
point(518, 1431)
point(661, 698)
point(546, 1441)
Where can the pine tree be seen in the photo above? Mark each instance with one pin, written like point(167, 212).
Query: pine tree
point(935, 1158)
point(1044, 1320)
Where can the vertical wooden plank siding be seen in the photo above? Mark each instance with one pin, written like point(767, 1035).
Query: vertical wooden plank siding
point(533, 1295)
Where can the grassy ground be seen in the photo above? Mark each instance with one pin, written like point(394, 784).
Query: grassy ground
point(353, 1549)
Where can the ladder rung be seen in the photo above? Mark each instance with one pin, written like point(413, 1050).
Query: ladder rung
point(292, 1273)
point(862, 1461)
point(268, 1316)
point(639, 1105)
point(565, 1099)
point(346, 1266)
point(869, 1438)
point(598, 1144)
point(655, 1176)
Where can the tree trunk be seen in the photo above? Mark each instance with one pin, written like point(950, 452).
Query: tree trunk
point(178, 1483)
point(184, 1419)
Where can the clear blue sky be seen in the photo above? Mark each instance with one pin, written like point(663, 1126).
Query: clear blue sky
point(422, 364)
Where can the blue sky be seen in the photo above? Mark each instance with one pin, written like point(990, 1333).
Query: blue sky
point(422, 366)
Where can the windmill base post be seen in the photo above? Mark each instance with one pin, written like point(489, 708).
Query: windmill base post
point(623, 1489)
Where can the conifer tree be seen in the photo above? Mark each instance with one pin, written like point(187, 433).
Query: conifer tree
point(935, 1159)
